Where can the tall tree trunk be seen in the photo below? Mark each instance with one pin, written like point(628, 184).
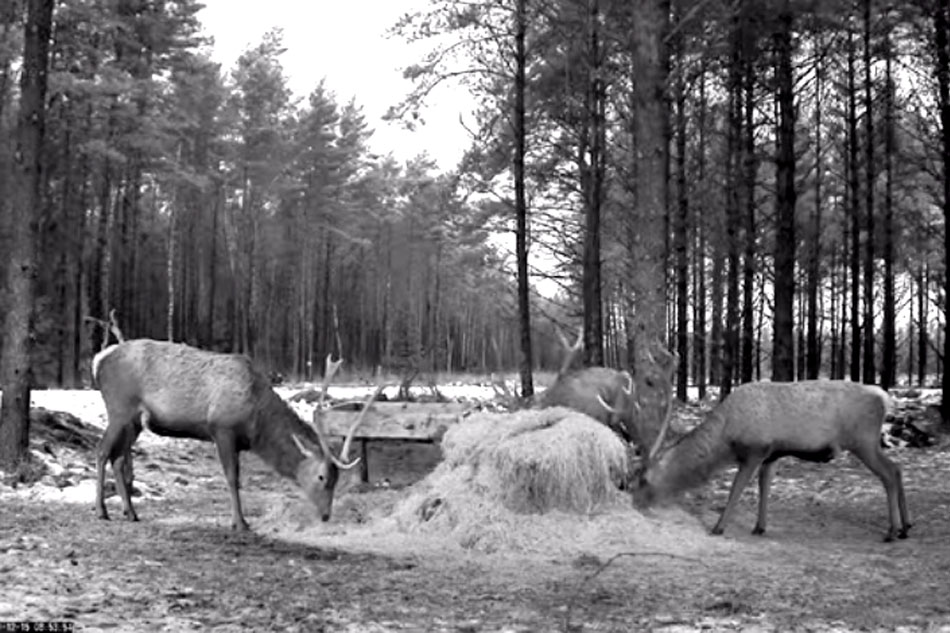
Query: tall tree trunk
point(680, 226)
point(942, 40)
point(844, 308)
point(700, 343)
point(889, 359)
point(716, 334)
point(650, 18)
point(209, 338)
point(521, 203)
point(170, 274)
point(835, 299)
point(869, 374)
point(911, 347)
point(730, 355)
point(15, 365)
point(854, 213)
point(783, 358)
point(800, 338)
point(592, 184)
point(812, 346)
point(749, 170)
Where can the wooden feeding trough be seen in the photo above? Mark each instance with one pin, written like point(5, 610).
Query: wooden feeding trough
point(395, 421)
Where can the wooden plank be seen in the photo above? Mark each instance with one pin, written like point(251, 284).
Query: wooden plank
point(421, 422)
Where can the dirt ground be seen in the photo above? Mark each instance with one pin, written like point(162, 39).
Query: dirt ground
point(821, 567)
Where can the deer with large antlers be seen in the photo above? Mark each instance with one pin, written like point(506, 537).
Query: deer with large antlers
point(180, 391)
point(758, 424)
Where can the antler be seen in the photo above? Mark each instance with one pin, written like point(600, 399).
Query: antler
point(319, 425)
point(320, 428)
point(660, 436)
point(332, 367)
point(345, 452)
point(572, 350)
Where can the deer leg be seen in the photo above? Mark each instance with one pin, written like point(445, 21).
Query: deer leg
point(122, 469)
point(101, 456)
point(765, 481)
point(890, 475)
point(228, 454)
point(902, 504)
point(746, 468)
point(112, 446)
point(122, 466)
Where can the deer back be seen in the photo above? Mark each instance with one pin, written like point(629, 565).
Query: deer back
point(182, 387)
point(806, 415)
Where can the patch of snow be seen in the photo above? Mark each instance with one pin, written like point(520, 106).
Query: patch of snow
point(84, 492)
point(85, 404)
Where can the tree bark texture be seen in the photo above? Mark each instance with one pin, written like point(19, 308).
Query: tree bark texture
point(783, 359)
point(651, 18)
point(592, 182)
point(942, 40)
point(868, 374)
point(21, 270)
point(521, 204)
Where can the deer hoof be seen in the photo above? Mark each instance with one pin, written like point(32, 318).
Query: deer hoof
point(103, 515)
point(758, 530)
point(240, 526)
point(716, 531)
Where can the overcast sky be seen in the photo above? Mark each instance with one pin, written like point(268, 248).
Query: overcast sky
point(345, 42)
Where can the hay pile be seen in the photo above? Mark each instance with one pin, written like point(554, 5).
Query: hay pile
point(532, 482)
point(509, 479)
point(538, 461)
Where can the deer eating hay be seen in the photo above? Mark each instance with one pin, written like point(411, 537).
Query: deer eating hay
point(758, 424)
point(180, 391)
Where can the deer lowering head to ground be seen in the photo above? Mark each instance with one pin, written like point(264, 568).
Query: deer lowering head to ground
point(179, 391)
point(759, 423)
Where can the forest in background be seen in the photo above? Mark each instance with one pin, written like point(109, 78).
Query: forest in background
point(804, 191)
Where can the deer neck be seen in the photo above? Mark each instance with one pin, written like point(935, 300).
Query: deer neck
point(275, 424)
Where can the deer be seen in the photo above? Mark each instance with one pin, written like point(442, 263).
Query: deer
point(760, 423)
point(653, 390)
point(176, 390)
point(607, 395)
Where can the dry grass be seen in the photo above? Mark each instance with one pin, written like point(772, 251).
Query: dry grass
point(531, 481)
point(538, 461)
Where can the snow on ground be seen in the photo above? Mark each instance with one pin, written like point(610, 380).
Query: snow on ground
point(86, 404)
point(71, 476)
